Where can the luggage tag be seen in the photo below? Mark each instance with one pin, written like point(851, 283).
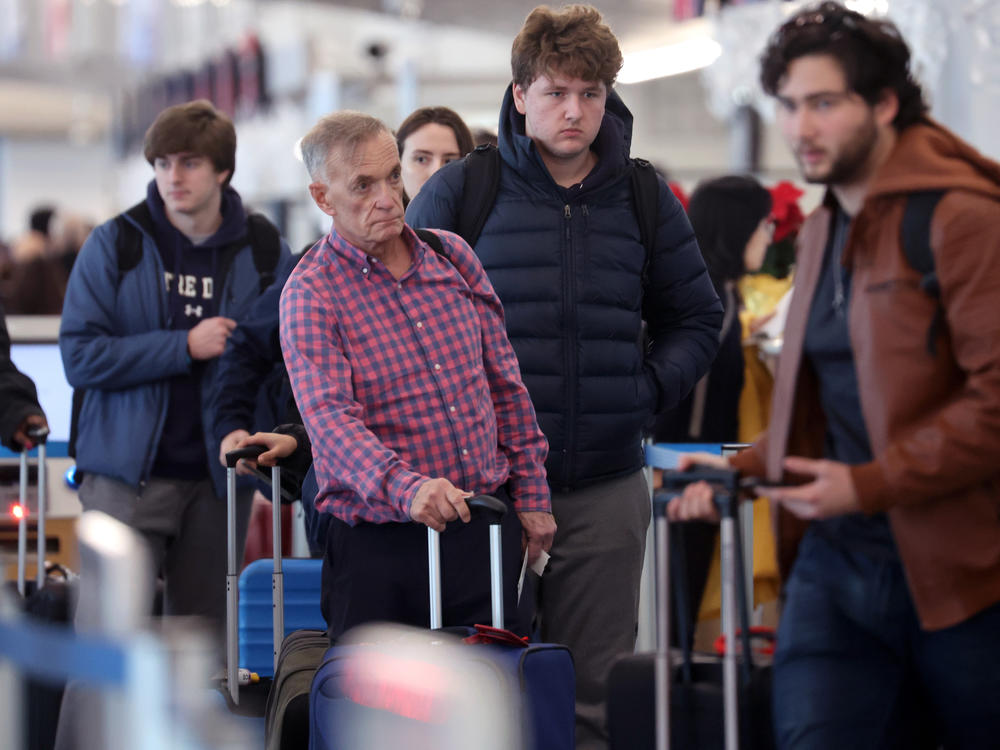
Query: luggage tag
point(502, 636)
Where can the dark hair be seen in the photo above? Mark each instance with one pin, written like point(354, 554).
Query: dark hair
point(484, 137)
point(724, 213)
point(871, 52)
point(573, 40)
point(40, 219)
point(440, 116)
point(196, 127)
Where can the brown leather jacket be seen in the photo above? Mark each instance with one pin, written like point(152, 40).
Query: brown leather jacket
point(933, 422)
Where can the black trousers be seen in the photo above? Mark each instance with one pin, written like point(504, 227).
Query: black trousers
point(379, 572)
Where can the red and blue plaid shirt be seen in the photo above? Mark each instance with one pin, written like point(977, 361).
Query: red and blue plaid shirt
point(401, 381)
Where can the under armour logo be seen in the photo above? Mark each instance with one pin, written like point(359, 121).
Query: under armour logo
point(190, 310)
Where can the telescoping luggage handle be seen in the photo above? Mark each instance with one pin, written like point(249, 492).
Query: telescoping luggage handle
point(726, 498)
point(39, 436)
point(232, 582)
point(494, 509)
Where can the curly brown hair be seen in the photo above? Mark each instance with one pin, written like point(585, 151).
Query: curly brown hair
point(573, 40)
point(871, 52)
point(195, 127)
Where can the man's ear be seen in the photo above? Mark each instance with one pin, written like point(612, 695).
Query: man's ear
point(519, 98)
point(887, 107)
point(318, 192)
point(221, 177)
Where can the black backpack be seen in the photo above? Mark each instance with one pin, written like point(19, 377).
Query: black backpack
point(915, 232)
point(482, 182)
point(262, 235)
point(265, 244)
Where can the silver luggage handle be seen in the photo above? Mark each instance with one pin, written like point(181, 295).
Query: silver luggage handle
point(726, 500)
point(232, 575)
point(494, 509)
point(39, 436)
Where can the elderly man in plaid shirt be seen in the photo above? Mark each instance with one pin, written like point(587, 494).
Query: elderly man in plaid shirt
point(410, 393)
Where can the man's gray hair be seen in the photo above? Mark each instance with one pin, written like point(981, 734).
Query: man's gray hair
point(343, 131)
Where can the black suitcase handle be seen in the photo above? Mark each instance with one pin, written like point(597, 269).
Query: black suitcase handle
point(247, 451)
point(38, 434)
point(491, 507)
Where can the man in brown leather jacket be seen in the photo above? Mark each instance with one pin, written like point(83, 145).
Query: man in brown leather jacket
point(884, 439)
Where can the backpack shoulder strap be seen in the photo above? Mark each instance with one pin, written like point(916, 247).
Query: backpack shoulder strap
point(128, 242)
point(432, 239)
point(915, 233)
point(437, 245)
point(646, 196)
point(479, 193)
point(265, 244)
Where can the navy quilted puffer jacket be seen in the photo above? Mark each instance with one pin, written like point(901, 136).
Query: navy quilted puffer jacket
point(567, 265)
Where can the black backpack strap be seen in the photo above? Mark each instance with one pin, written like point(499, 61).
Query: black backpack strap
point(265, 243)
point(432, 239)
point(916, 237)
point(646, 196)
point(128, 241)
point(482, 181)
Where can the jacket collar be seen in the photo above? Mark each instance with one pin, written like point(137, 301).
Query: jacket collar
point(612, 144)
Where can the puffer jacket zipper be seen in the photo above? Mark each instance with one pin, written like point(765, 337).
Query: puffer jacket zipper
point(569, 351)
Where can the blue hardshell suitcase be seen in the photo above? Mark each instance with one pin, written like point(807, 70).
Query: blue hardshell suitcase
point(302, 610)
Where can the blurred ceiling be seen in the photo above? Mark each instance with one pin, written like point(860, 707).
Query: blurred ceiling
point(73, 99)
point(626, 17)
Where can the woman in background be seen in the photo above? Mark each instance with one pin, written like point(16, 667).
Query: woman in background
point(427, 139)
point(731, 217)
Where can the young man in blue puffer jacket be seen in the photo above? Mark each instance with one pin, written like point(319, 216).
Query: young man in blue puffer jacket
point(562, 248)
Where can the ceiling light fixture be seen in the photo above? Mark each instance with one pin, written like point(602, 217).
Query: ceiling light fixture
point(669, 60)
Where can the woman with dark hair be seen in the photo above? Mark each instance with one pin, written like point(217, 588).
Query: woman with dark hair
point(427, 139)
point(731, 217)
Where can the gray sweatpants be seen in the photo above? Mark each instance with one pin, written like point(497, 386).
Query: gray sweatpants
point(184, 524)
point(589, 592)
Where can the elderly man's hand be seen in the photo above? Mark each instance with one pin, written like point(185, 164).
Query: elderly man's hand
point(439, 501)
point(537, 532)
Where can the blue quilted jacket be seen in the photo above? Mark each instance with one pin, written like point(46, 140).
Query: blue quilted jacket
point(116, 344)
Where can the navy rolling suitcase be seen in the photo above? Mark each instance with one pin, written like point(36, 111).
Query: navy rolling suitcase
point(661, 701)
point(540, 677)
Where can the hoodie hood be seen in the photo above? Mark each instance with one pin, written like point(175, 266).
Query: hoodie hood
point(233, 227)
point(928, 157)
point(613, 143)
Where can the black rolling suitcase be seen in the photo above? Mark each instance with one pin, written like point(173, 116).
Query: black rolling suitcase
point(47, 598)
point(665, 700)
point(284, 699)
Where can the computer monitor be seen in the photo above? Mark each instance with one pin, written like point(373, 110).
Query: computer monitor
point(43, 364)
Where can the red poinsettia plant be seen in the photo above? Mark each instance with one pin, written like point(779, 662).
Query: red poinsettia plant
point(788, 218)
point(785, 210)
point(677, 190)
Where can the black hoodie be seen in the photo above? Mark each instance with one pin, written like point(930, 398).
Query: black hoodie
point(193, 278)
